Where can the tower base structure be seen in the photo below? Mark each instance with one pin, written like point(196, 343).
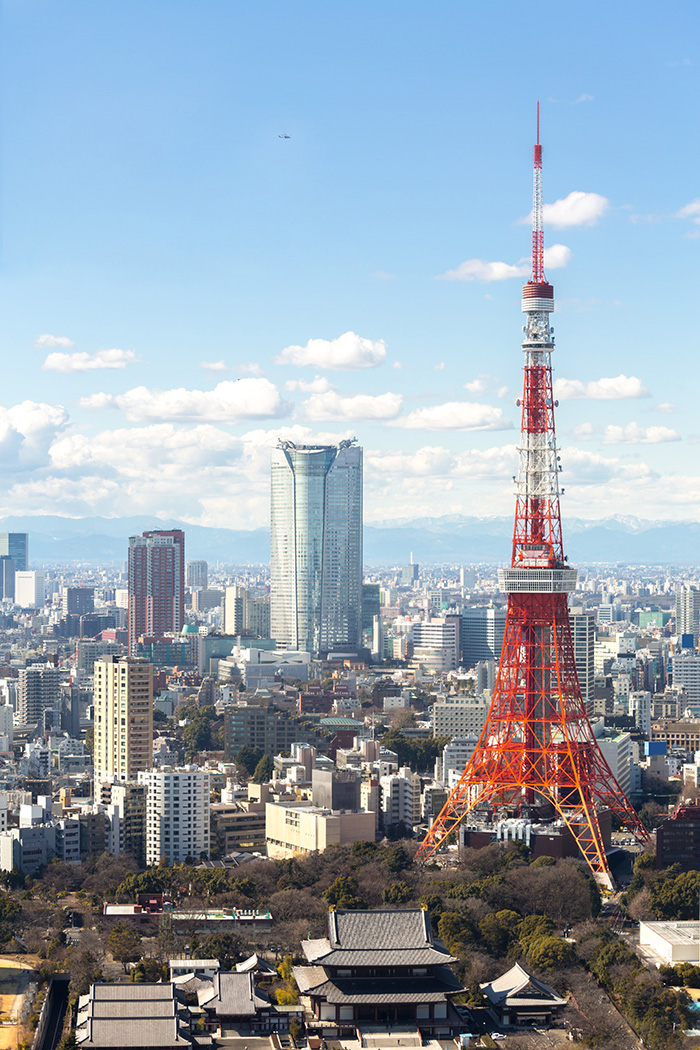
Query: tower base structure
point(537, 746)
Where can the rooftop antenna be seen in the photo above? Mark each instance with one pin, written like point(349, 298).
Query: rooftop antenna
point(538, 276)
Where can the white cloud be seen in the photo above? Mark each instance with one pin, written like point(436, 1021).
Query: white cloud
point(214, 366)
point(607, 389)
point(48, 342)
point(576, 209)
point(690, 211)
point(83, 362)
point(555, 257)
point(439, 367)
point(398, 365)
point(317, 385)
point(634, 434)
point(26, 433)
point(483, 382)
point(584, 431)
point(250, 368)
point(455, 415)
point(584, 97)
point(666, 407)
point(229, 402)
point(348, 351)
point(332, 405)
point(481, 270)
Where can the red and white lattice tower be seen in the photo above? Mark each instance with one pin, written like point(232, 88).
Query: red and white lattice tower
point(537, 748)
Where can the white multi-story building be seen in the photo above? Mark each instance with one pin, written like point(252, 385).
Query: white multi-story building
point(30, 589)
point(123, 717)
point(177, 814)
point(686, 675)
point(583, 637)
point(436, 642)
point(639, 705)
point(459, 716)
point(688, 611)
point(617, 752)
point(316, 547)
point(455, 756)
point(401, 797)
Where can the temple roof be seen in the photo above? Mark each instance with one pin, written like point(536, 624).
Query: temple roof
point(347, 990)
point(517, 987)
point(377, 938)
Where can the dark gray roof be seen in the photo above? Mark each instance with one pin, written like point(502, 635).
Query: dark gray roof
point(233, 995)
point(131, 991)
point(377, 938)
point(130, 1015)
point(431, 989)
point(309, 977)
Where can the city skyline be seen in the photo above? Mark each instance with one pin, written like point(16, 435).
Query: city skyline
point(183, 286)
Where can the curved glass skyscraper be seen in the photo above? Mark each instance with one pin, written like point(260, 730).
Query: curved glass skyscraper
point(316, 547)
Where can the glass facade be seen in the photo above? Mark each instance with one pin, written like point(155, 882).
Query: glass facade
point(15, 545)
point(316, 547)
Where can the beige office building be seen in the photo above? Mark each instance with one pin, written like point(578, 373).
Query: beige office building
point(293, 828)
point(123, 717)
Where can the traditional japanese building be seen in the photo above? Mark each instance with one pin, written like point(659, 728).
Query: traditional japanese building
point(378, 968)
point(519, 998)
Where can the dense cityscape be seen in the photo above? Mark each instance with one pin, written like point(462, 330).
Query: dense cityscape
point(342, 797)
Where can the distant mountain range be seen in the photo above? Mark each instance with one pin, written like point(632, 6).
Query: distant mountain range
point(451, 539)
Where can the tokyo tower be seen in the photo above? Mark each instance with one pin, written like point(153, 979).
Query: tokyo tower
point(537, 752)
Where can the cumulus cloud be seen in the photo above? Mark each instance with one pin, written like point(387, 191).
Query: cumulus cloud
point(214, 366)
point(332, 405)
point(229, 402)
point(250, 368)
point(607, 389)
point(576, 209)
point(83, 362)
point(49, 342)
point(348, 351)
point(484, 382)
point(665, 407)
point(690, 211)
point(555, 257)
point(584, 431)
point(634, 434)
point(317, 385)
point(26, 433)
point(455, 415)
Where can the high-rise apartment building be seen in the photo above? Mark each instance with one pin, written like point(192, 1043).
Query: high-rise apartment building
point(123, 717)
point(688, 611)
point(482, 634)
point(156, 584)
point(247, 611)
point(15, 545)
point(37, 688)
point(197, 574)
point(316, 547)
point(177, 814)
point(583, 637)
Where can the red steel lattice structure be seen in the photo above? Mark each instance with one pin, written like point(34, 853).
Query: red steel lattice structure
point(537, 745)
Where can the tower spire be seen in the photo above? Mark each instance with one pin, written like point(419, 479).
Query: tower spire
point(537, 754)
point(537, 225)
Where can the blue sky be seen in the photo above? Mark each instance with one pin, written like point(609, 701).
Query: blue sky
point(177, 280)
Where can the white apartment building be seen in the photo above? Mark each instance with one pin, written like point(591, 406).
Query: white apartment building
point(639, 705)
point(686, 674)
point(177, 814)
point(401, 797)
point(583, 637)
point(459, 716)
point(436, 643)
point(455, 756)
point(123, 717)
point(617, 752)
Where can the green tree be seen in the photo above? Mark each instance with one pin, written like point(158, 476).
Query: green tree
point(248, 757)
point(397, 893)
point(675, 895)
point(124, 943)
point(263, 770)
point(343, 893)
point(550, 953)
point(499, 930)
point(457, 931)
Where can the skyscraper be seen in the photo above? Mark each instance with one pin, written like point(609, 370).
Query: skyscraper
point(197, 574)
point(156, 584)
point(123, 717)
point(316, 546)
point(15, 545)
point(688, 611)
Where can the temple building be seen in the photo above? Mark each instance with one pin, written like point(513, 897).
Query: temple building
point(378, 968)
